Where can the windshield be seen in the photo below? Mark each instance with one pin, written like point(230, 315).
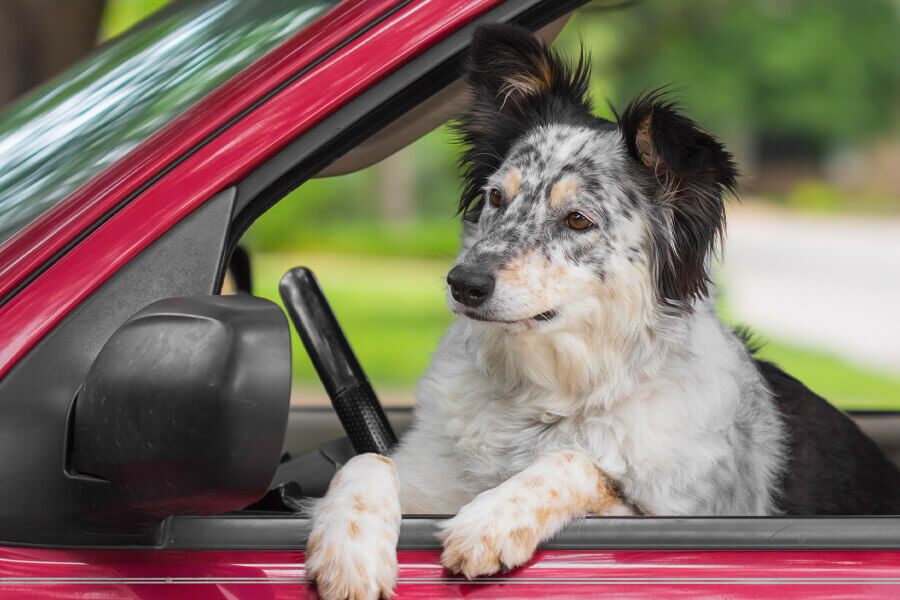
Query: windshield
point(59, 136)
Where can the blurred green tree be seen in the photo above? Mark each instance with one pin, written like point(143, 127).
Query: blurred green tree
point(825, 73)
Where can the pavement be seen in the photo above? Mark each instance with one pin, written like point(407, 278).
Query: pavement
point(827, 283)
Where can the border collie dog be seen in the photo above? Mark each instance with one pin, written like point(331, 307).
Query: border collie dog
point(588, 371)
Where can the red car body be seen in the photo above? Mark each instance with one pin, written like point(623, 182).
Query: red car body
point(49, 267)
point(174, 575)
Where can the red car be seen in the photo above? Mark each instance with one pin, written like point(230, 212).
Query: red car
point(144, 419)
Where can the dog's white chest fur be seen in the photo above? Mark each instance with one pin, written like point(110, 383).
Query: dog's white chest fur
point(683, 440)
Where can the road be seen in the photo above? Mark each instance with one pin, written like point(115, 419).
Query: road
point(822, 282)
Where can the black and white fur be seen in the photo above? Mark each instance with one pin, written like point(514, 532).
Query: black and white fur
point(593, 359)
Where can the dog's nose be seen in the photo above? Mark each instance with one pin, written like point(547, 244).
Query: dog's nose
point(470, 287)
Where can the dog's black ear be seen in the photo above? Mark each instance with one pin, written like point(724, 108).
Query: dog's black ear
point(508, 65)
point(693, 172)
point(513, 76)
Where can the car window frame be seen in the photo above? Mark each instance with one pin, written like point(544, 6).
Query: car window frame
point(267, 531)
point(319, 148)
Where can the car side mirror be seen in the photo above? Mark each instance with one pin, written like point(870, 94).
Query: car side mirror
point(184, 410)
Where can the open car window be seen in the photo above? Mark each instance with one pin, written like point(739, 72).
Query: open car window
point(349, 280)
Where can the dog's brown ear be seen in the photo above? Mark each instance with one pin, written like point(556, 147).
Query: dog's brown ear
point(508, 65)
point(692, 173)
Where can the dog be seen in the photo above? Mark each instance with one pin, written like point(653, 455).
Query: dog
point(588, 371)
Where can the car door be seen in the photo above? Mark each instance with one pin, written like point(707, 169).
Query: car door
point(123, 244)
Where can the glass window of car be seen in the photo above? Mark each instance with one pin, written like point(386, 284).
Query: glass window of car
point(145, 78)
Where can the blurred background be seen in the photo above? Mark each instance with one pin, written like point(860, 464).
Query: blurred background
point(806, 93)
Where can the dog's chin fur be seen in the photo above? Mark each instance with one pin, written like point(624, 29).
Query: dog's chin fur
point(587, 351)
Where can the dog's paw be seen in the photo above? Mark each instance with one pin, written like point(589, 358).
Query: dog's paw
point(501, 528)
point(342, 570)
point(487, 536)
point(352, 549)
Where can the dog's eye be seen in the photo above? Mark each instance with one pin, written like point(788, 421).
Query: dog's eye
point(578, 221)
point(496, 198)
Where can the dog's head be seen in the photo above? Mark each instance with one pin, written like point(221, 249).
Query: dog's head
point(566, 212)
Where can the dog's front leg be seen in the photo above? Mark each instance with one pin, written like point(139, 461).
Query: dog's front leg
point(352, 549)
point(501, 528)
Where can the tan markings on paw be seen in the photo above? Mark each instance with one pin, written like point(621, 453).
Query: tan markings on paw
point(361, 566)
point(361, 506)
point(473, 553)
point(534, 482)
point(385, 460)
point(471, 557)
point(351, 551)
point(503, 526)
point(542, 516)
point(606, 500)
point(313, 543)
point(353, 529)
point(523, 537)
point(518, 547)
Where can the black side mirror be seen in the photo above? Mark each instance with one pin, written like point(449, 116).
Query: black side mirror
point(184, 410)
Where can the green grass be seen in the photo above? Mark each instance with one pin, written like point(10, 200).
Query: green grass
point(423, 238)
point(392, 309)
point(845, 385)
point(393, 312)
